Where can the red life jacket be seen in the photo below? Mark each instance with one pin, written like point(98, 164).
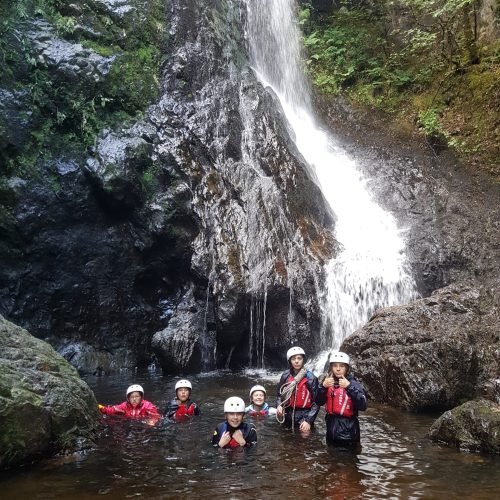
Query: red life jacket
point(182, 412)
point(233, 444)
point(261, 413)
point(301, 397)
point(338, 402)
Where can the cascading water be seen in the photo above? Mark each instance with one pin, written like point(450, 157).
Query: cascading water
point(371, 269)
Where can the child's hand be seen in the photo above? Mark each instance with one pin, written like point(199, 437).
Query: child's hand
point(343, 382)
point(279, 411)
point(328, 382)
point(304, 426)
point(238, 437)
point(226, 437)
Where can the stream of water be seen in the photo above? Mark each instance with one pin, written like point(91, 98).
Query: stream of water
point(371, 270)
point(177, 460)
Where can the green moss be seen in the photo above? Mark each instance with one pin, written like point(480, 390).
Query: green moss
point(66, 116)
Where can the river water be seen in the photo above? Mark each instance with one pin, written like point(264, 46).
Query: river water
point(177, 460)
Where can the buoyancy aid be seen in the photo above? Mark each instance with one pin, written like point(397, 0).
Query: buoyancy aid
point(301, 397)
point(232, 443)
point(251, 411)
point(184, 411)
point(338, 402)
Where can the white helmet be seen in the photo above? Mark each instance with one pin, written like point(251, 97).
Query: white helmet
point(186, 384)
point(293, 351)
point(234, 405)
point(257, 388)
point(135, 388)
point(339, 357)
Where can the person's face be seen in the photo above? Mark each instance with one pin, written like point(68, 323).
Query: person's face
point(134, 398)
point(297, 361)
point(234, 419)
point(338, 369)
point(183, 394)
point(258, 398)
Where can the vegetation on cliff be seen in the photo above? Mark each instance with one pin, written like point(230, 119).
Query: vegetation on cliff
point(49, 84)
point(432, 63)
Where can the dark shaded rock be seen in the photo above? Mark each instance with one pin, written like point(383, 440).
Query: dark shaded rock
point(45, 408)
point(433, 353)
point(179, 346)
point(473, 426)
point(200, 221)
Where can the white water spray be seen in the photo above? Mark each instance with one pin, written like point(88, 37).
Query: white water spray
point(371, 269)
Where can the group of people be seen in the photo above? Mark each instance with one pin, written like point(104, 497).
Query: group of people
point(299, 397)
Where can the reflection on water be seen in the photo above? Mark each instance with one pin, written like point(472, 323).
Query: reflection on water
point(173, 460)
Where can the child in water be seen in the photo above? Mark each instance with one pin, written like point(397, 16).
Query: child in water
point(135, 406)
point(181, 407)
point(258, 405)
point(234, 433)
point(296, 402)
point(344, 397)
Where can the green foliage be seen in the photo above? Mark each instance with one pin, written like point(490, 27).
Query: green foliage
point(344, 51)
point(428, 120)
point(66, 115)
point(419, 57)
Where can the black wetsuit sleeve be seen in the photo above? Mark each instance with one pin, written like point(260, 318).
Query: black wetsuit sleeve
point(171, 408)
point(196, 409)
point(283, 378)
point(251, 436)
point(216, 436)
point(321, 395)
point(312, 385)
point(357, 394)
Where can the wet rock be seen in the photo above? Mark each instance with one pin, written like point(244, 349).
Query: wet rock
point(264, 226)
point(14, 125)
point(473, 426)
point(179, 347)
point(116, 168)
point(45, 408)
point(71, 60)
point(91, 361)
point(433, 353)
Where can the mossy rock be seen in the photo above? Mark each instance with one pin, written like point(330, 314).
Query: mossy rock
point(45, 408)
point(473, 426)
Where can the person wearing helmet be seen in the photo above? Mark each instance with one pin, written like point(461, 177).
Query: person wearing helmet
point(258, 406)
point(181, 407)
point(296, 401)
point(343, 397)
point(234, 433)
point(135, 406)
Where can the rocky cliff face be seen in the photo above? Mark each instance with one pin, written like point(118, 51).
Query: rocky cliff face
point(263, 223)
point(195, 231)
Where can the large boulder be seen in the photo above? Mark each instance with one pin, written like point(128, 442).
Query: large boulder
point(433, 353)
point(473, 426)
point(45, 408)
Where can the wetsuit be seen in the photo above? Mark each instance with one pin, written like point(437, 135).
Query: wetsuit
point(303, 399)
point(341, 429)
point(248, 431)
point(177, 411)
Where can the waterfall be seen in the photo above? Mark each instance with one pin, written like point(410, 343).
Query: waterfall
point(371, 270)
